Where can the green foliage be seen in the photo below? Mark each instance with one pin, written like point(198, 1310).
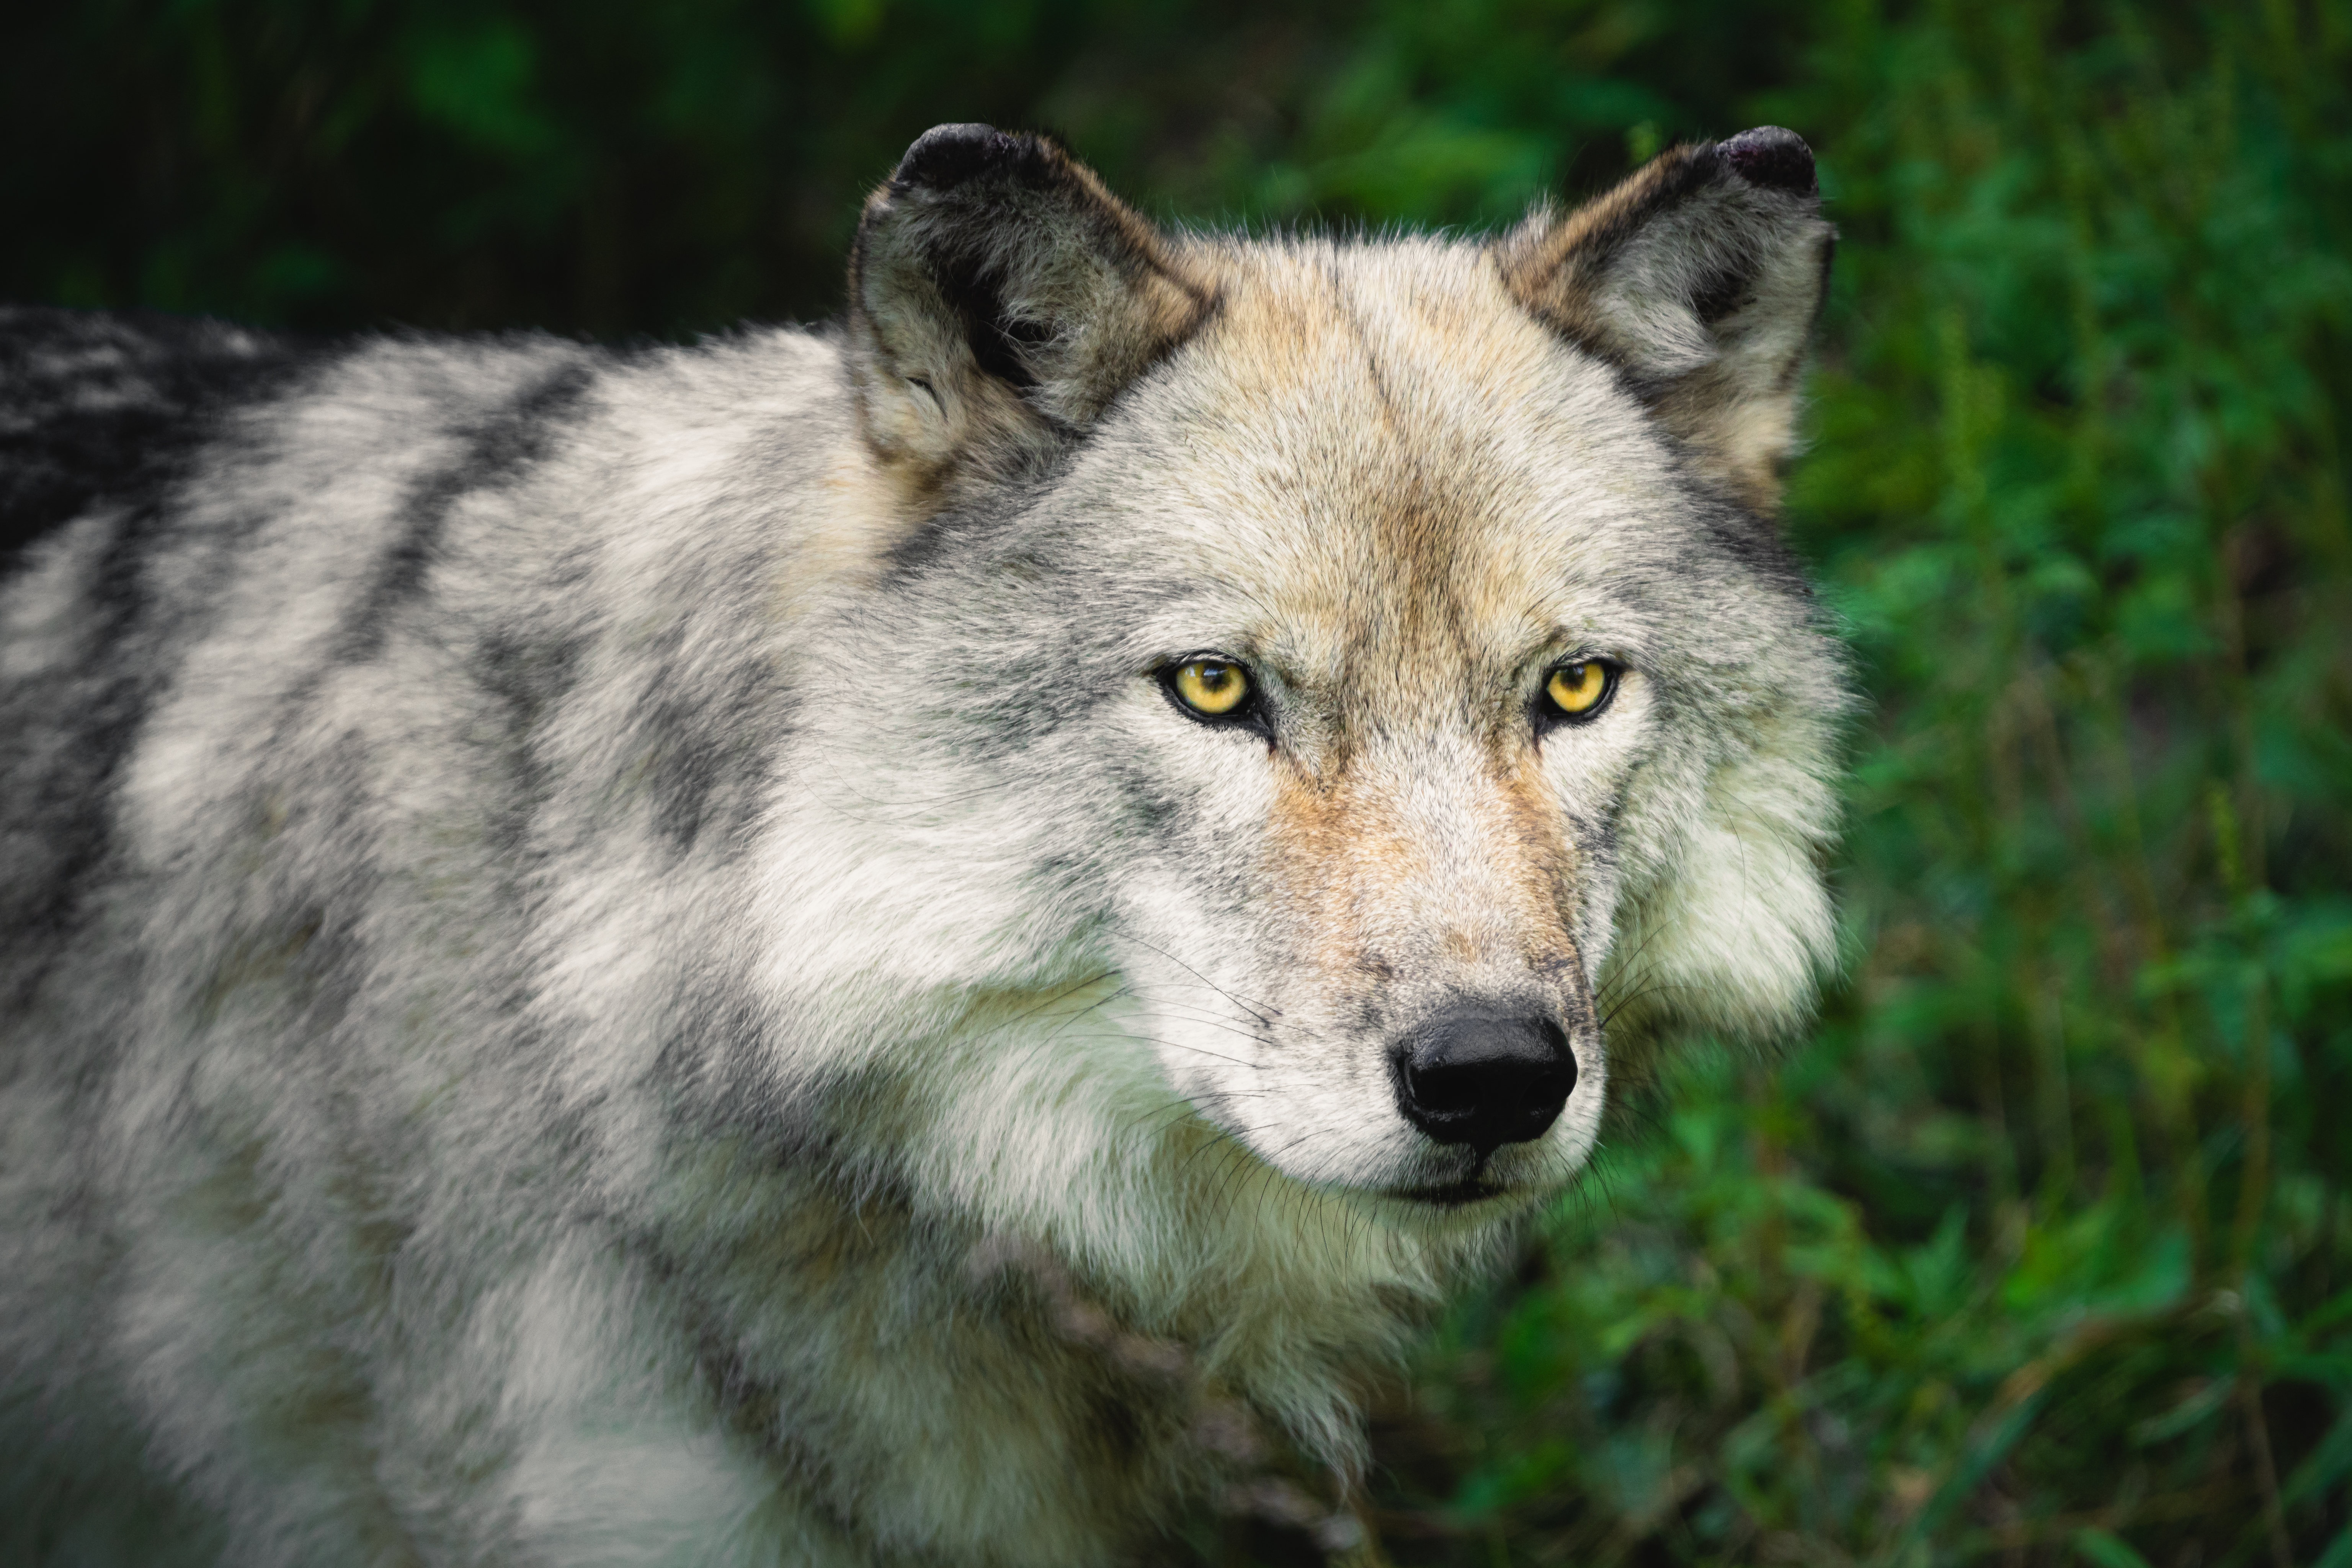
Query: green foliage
point(608, 167)
point(2034, 1251)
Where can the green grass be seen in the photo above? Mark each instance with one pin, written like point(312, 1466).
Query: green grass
point(2035, 1250)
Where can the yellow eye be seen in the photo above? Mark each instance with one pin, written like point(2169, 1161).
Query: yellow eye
point(1211, 688)
point(1578, 688)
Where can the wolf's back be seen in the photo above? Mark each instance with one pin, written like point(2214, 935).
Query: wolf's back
point(351, 692)
point(140, 485)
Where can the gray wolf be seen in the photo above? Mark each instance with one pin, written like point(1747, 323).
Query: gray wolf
point(898, 943)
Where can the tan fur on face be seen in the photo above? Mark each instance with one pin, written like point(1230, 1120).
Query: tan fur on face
point(1370, 898)
point(1405, 605)
point(1421, 499)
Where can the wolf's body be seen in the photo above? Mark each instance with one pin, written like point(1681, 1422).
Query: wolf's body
point(632, 957)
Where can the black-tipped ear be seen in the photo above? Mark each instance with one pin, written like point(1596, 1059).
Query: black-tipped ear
point(1701, 276)
point(1000, 297)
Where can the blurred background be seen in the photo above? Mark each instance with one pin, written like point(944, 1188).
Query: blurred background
point(2035, 1250)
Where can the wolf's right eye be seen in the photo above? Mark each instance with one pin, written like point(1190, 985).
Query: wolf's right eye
point(1579, 689)
point(1212, 688)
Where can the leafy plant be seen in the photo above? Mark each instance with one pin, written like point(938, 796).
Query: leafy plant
point(2032, 1253)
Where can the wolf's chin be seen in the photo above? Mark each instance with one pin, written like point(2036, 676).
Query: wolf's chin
point(1454, 1203)
point(1462, 1211)
point(1451, 1195)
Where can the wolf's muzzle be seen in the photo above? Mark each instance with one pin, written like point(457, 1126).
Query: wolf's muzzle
point(1470, 1078)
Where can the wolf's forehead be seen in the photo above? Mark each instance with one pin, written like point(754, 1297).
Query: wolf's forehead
point(1391, 456)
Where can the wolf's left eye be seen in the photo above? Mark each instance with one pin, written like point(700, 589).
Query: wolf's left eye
point(1581, 689)
point(1212, 688)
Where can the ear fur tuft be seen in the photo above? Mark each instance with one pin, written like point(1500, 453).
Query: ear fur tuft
point(1700, 277)
point(947, 156)
point(1771, 156)
point(1001, 298)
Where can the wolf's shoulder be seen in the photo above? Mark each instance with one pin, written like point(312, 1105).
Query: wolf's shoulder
point(103, 410)
point(208, 532)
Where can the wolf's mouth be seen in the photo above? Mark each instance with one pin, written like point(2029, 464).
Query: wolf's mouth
point(1451, 1195)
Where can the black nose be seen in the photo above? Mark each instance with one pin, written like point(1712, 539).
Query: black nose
point(1485, 1082)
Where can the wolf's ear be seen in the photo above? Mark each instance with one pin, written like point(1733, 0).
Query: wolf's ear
point(1700, 277)
point(1000, 297)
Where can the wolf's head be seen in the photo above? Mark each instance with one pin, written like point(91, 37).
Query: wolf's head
point(1366, 671)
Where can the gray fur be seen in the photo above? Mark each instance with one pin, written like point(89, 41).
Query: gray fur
point(621, 957)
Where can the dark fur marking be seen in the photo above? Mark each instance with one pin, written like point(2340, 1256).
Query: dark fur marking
point(503, 446)
point(947, 156)
point(970, 280)
point(1724, 291)
point(528, 679)
point(967, 532)
point(1702, 167)
point(1748, 537)
point(971, 188)
point(1771, 156)
point(100, 411)
point(708, 751)
point(974, 288)
point(1766, 157)
point(106, 409)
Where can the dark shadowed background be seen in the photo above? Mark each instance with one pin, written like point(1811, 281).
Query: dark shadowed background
point(2035, 1250)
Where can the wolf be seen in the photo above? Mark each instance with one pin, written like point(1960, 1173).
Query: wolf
point(911, 942)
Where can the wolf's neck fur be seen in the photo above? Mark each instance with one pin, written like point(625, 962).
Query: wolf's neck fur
point(1047, 1231)
point(1065, 1147)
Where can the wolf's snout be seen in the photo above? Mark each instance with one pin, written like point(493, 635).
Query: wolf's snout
point(1485, 1082)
